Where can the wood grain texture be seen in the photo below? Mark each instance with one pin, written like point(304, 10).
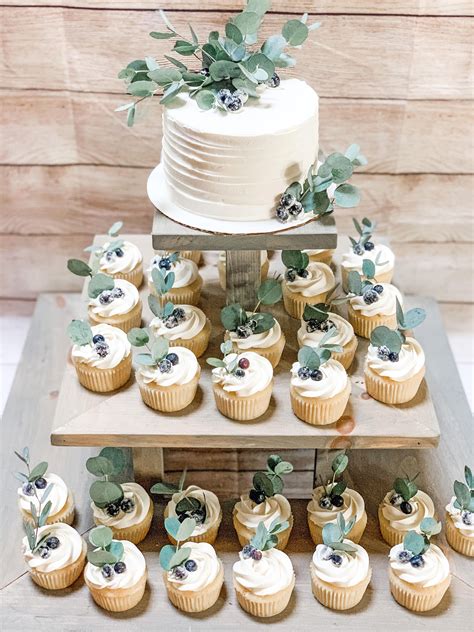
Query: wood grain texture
point(243, 276)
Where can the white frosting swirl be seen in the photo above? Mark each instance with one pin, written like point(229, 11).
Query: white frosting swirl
point(181, 373)
point(257, 377)
point(411, 359)
point(273, 573)
point(353, 569)
point(466, 530)
point(320, 279)
point(334, 380)
point(344, 333)
point(118, 306)
point(136, 568)
point(353, 507)
point(422, 507)
point(207, 498)
point(386, 304)
point(119, 348)
point(57, 496)
point(208, 567)
point(68, 551)
point(130, 259)
point(132, 491)
point(251, 514)
point(258, 341)
point(351, 261)
point(185, 271)
point(434, 570)
point(193, 323)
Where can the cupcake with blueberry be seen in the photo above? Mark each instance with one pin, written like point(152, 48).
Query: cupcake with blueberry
point(334, 498)
point(168, 380)
point(125, 508)
point(265, 504)
point(115, 572)
point(119, 258)
point(193, 255)
point(242, 383)
point(305, 282)
point(403, 509)
point(263, 576)
point(182, 278)
point(38, 486)
point(418, 570)
point(320, 255)
point(254, 331)
point(101, 356)
point(364, 248)
point(222, 268)
point(460, 516)
point(192, 572)
point(340, 569)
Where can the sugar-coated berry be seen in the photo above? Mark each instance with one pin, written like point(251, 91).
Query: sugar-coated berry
point(290, 274)
point(252, 323)
point(106, 297)
point(282, 214)
point(173, 358)
point(241, 94)
point(52, 542)
point(98, 338)
point(312, 325)
point(44, 552)
point(119, 252)
point(405, 507)
point(296, 209)
point(316, 375)
point(223, 95)
point(287, 200)
point(41, 483)
point(28, 489)
point(393, 356)
point(179, 313)
point(107, 571)
point(102, 349)
point(325, 502)
point(239, 373)
point(109, 255)
point(112, 510)
point(358, 250)
point(117, 292)
point(466, 517)
point(256, 555)
point(164, 263)
point(127, 505)
point(383, 352)
point(165, 366)
point(370, 297)
point(337, 500)
point(234, 104)
point(274, 81)
point(378, 288)
point(304, 373)
point(396, 499)
point(171, 322)
point(417, 561)
point(244, 363)
point(243, 331)
point(190, 565)
point(179, 572)
point(257, 496)
point(404, 556)
point(199, 515)
point(369, 245)
point(326, 552)
point(303, 273)
point(247, 551)
point(205, 72)
point(336, 559)
point(120, 567)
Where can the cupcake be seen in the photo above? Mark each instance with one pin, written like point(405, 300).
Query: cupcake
point(364, 248)
point(172, 278)
point(403, 509)
point(125, 508)
point(418, 570)
point(395, 364)
point(242, 383)
point(334, 498)
point(222, 268)
point(264, 577)
point(320, 388)
point(39, 486)
point(317, 321)
point(460, 516)
point(323, 255)
point(193, 255)
point(101, 356)
point(253, 331)
point(305, 282)
point(340, 569)
point(265, 504)
point(115, 572)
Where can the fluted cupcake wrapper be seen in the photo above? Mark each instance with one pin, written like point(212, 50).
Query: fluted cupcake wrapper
point(104, 380)
point(272, 354)
point(245, 534)
point(384, 277)
point(193, 255)
point(346, 357)
point(267, 606)
point(135, 276)
point(338, 597)
point(417, 598)
point(195, 601)
point(320, 412)
point(388, 391)
point(355, 534)
point(364, 325)
point(125, 322)
point(221, 268)
point(168, 399)
point(118, 599)
point(135, 533)
point(209, 536)
point(62, 577)
point(323, 257)
point(198, 344)
point(242, 408)
point(64, 515)
point(188, 295)
point(295, 302)
point(456, 540)
point(389, 534)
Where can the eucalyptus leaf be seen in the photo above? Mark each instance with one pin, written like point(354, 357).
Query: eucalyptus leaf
point(38, 471)
point(343, 546)
point(80, 332)
point(414, 542)
point(368, 268)
point(352, 151)
point(339, 464)
point(295, 32)
point(101, 537)
point(346, 196)
point(30, 535)
point(104, 493)
point(115, 229)
point(164, 488)
point(23, 478)
point(166, 555)
point(354, 283)
point(162, 35)
point(233, 32)
point(116, 548)
point(274, 46)
point(467, 475)
point(308, 357)
point(224, 70)
point(247, 22)
point(182, 47)
point(160, 348)
point(145, 359)
point(177, 63)
point(205, 99)
point(319, 312)
point(262, 482)
point(341, 167)
point(462, 493)
point(116, 457)
point(79, 268)
point(405, 488)
point(269, 292)
point(232, 316)
point(100, 558)
point(171, 92)
point(142, 88)
point(295, 259)
point(180, 557)
point(264, 322)
point(331, 534)
point(215, 362)
point(273, 461)
point(99, 466)
point(172, 526)
point(413, 318)
point(186, 529)
point(100, 283)
point(138, 337)
point(430, 526)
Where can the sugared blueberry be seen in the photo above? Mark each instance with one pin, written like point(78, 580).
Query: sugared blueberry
point(191, 566)
point(393, 356)
point(107, 571)
point(118, 292)
point(173, 358)
point(28, 489)
point(223, 95)
point(383, 352)
point(241, 94)
point(252, 323)
point(179, 313)
point(40, 483)
point(405, 507)
point(296, 209)
point(303, 273)
point(179, 572)
point(274, 81)
point(326, 325)
point(256, 555)
point(44, 552)
point(165, 366)
point(337, 500)
point(205, 72)
point(199, 515)
point(396, 499)
point(98, 338)
point(244, 363)
point(466, 517)
point(282, 214)
point(127, 505)
point(404, 556)
point(312, 325)
point(239, 373)
point(171, 322)
point(369, 245)
point(102, 349)
point(109, 255)
point(106, 297)
point(112, 510)
point(378, 288)
point(304, 373)
point(120, 567)
point(417, 561)
point(119, 252)
point(164, 263)
point(234, 104)
point(52, 542)
point(336, 559)
point(370, 297)
point(287, 200)
point(243, 331)
point(325, 502)
point(290, 274)
point(326, 552)
point(257, 496)
point(358, 250)
point(316, 375)
point(247, 551)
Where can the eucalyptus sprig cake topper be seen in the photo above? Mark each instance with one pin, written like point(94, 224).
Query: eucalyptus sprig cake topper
point(317, 318)
point(104, 493)
point(114, 246)
point(158, 356)
point(404, 490)
point(188, 506)
point(332, 492)
point(101, 286)
point(465, 496)
point(230, 68)
point(296, 263)
point(364, 285)
point(415, 545)
point(175, 559)
point(235, 366)
point(267, 484)
point(334, 535)
point(311, 358)
point(389, 341)
point(107, 554)
point(163, 279)
point(365, 230)
point(264, 539)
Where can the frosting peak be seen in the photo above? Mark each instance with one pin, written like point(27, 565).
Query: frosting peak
point(267, 576)
point(117, 341)
point(320, 279)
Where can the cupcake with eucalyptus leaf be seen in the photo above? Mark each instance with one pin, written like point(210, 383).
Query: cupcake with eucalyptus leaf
point(265, 503)
point(255, 331)
point(395, 363)
point(125, 508)
point(340, 569)
point(167, 380)
point(115, 572)
point(101, 356)
point(317, 320)
point(418, 570)
point(334, 498)
point(321, 255)
point(119, 258)
point(193, 255)
point(305, 282)
point(192, 572)
point(460, 516)
point(263, 576)
point(403, 509)
point(222, 267)
point(192, 502)
point(364, 248)
point(173, 278)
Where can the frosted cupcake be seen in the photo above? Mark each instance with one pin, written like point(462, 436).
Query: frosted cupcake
point(334, 498)
point(403, 509)
point(253, 331)
point(323, 255)
point(460, 516)
point(125, 508)
point(305, 282)
point(340, 569)
point(101, 356)
point(186, 282)
point(182, 325)
point(364, 248)
point(115, 573)
point(39, 486)
point(242, 383)
point(418, 570)
point(222, 268)
point(193, 574)
point(264, 577)
point(317, 321)
point(265, 504)
point(193, 255)
point(168, 380)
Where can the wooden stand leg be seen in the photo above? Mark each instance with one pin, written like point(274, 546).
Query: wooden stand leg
point(243, 270)
point(148, 466)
